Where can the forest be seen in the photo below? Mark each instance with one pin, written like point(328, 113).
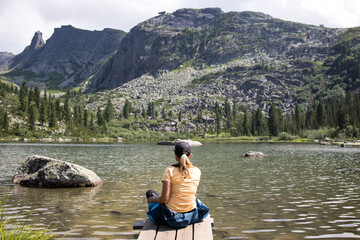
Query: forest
point(27, 112)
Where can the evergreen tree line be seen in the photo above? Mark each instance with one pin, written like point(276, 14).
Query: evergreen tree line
point(45, 112)
point(342, 114)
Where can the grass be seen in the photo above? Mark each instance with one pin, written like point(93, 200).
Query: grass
point(13, 229)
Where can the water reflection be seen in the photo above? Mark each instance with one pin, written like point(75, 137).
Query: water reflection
point(294, 192)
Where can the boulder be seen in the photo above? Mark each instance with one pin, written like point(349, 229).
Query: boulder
point(254, 154)
point(190, 142)
point(39, 171)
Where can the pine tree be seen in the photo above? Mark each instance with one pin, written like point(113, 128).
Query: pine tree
point(5, 123)
point(228, 114)
point(259, 122)
point(163, 114)
point(246, 124)
point(180, 115)
point(320, 114)
point(67, 112)
point(273, 121)
point(298, 120)
point(23, 96)
point(32, 112)
point(143, 113)
point(42, 112)
point(53, 122)
point(31, 96)
point(100, 117)
point(86, 118)
point(218, 118)
point(37, 96)
point(127, 109)
point(109, 111)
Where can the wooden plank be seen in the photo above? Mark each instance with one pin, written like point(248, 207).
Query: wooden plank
point(202, 230)
point(185, 233)
point(149, 231)
point(166, 233)
point(138, 225)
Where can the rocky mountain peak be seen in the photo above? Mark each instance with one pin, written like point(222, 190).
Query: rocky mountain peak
point(37, 41)
point(184, 18)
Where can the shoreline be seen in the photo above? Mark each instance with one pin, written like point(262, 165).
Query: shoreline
point(202, 140)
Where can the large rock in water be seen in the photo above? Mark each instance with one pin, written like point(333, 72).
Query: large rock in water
point(39, 171)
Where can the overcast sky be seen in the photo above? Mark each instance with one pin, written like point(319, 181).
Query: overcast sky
point(20, 19)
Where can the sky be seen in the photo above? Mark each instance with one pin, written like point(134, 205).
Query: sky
point(20, 19)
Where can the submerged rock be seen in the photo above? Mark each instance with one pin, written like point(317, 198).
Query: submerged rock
point(254, 154)
point(39, 171)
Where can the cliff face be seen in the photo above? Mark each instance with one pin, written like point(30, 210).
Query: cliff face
point(69, 57)
point(5, 59)
point(209, 37)
point(155, 45)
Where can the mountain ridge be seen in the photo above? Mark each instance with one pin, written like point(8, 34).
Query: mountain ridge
point(249, 57)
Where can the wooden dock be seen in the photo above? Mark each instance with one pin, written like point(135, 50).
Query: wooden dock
point(154, 231)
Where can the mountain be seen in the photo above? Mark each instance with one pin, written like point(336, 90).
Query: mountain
point(5, 59)
point(67, 59)
point(192, 58)
point(206, 37)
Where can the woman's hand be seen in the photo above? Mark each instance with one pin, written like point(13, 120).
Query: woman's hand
point(151, 199)
point(165, 195)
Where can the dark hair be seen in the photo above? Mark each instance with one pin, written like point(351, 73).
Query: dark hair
point(182, 148)
point(183, 151)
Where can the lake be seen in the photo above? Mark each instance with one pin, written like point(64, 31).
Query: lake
point(294, 192)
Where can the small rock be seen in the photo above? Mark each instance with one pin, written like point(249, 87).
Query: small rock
point(254, 154)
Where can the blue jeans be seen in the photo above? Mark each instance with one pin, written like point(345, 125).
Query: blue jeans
point(160, 213)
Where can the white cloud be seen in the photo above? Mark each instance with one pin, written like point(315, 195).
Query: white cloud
point(19, 19)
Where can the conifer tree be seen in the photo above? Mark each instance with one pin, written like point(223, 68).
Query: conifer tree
point(53, 122)
point(180, 116)
point(218, 118)
point(228, 114)
point(37, 96)
point(320, 114)
point(259, 122)
point(32, 112)
point(246, 124)
point(163, 114)
point(5, 123)
point(42, 112)
point(298, 120)
point(67, 112)
point(86, 118)
point(127, 109)
point(273, 121)
point(143, 113)
point(109, 111)
point(23, 98)
point(100, 117)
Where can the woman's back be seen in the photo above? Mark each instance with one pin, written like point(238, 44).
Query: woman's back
point(183, 188)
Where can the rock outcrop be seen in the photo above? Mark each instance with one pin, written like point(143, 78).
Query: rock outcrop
point(5, 59)
point(69, 57)
point(39, 171)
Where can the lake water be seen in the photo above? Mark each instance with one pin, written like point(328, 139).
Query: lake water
point(294, 192)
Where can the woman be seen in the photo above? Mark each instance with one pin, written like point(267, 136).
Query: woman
point(177, 206)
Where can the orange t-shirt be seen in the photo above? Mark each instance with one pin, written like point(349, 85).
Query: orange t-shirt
point(183, 190)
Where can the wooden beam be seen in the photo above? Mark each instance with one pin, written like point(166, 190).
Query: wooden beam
point(149, 231)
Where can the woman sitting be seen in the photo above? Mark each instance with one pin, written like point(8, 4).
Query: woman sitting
point(178, 206)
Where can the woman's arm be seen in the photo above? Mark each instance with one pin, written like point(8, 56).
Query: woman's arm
point(165, 194)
